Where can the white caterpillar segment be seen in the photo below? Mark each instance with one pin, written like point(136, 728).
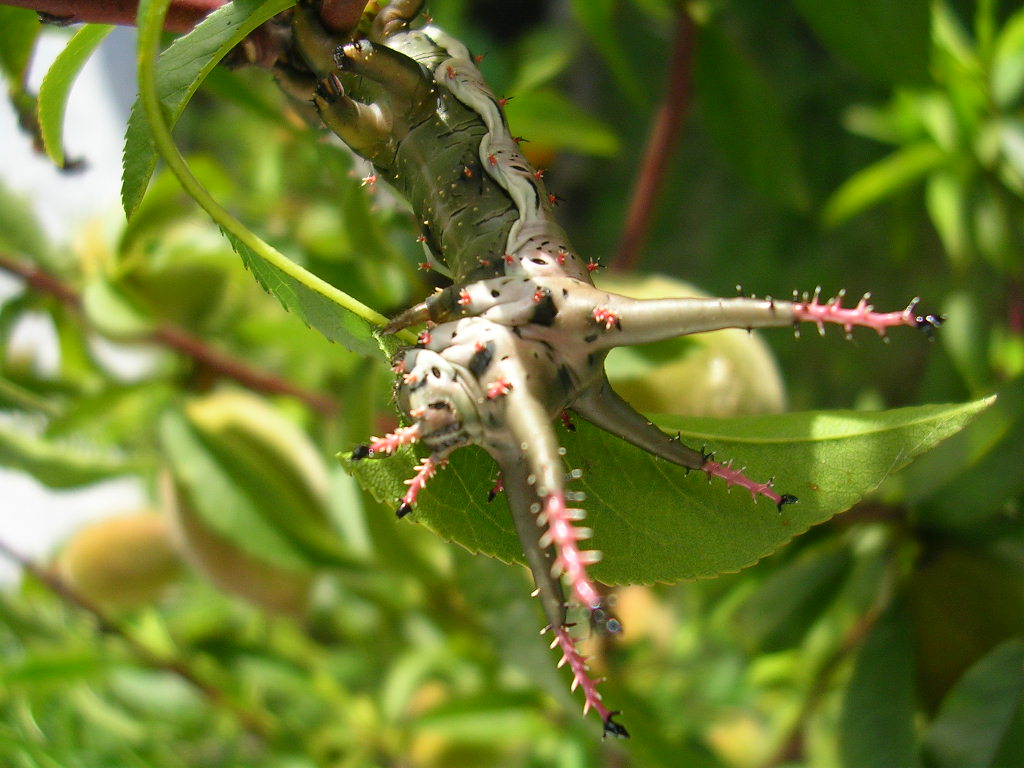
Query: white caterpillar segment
point(522, 502)
point(602, 407)
point(624, 321)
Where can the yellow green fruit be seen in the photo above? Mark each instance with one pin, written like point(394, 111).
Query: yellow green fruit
point(232, 570)
point(722, 373)
point(121, 562)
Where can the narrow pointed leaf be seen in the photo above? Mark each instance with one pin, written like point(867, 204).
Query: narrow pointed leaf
point(53, 93)
point(876, 729)
point(318, 304)
point(881, 181)
point(655, 521)
point(884, 40)
point(979, 711)
point(181, 70)
point(59, 464)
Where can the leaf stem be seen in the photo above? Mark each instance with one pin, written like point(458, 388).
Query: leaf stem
point(254, 722)
point(150, 22)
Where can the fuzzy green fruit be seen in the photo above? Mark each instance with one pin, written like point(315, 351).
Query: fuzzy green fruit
point(722, 373)
point(121, 562)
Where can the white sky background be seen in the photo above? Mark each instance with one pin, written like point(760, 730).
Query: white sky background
point(34, 519)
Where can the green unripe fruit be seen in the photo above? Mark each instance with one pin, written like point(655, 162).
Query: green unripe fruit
point(721, 373)
point(121, 562)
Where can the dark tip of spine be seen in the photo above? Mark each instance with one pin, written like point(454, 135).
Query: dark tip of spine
point(614, 729)
point(928, 323)
point(403, 510)
point(360, 452)
point(787, 498)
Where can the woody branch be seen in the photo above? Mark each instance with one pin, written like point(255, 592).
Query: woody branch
point(182, 15)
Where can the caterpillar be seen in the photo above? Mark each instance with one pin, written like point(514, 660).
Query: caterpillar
point(520, 336)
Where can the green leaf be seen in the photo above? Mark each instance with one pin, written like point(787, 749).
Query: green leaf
point(654, 521)
point(58, 464)
point(312, 301)
point(782, 610)
point(180, 72)
point(21, 234)
point(884, 40)
point(876, 729)
point(276, 465)
point(58, 668)
point(543, 55)
point(113, 312)
point(972, 476)
point(945, 197)
point(339, 316)
point(881, 180)
point(742, 115)
point(19, 28)
point(224, 505)
point(978, 712)
point(597, 17)
point(53, 93)
point(1008, 63)
point(549, 119)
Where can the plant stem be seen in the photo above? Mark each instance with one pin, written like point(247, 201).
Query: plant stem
point(181, 341)
point(791, 749)
point(181, 17)
point(660, 146)
point(256, 723)
point(148, 53)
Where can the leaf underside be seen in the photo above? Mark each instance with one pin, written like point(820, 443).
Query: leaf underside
point(656, 522)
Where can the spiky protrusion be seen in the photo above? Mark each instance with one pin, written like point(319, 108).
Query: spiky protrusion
point(581, 679)
point(388, 444)
point(569, 559)
point(425, 470)
point(737, 477)
point(810, 309)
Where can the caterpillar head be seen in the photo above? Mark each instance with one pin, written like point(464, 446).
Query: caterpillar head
point(437, 396)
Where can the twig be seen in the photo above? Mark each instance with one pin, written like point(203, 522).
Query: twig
point(791, 750)
point(181, 17)
point(253, 722)
point(341, 15)
point(181, 341)
point(660, 146)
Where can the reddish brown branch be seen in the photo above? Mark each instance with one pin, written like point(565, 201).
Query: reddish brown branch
point(181, 16)
point(341, 15)
point(791, 749)
point(660, 146)
point(253, 722)
point(221, 364)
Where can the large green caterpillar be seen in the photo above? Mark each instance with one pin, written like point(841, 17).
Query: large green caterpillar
point(521, 334)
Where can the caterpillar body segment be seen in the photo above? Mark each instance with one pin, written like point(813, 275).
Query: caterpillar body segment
point(520, 336)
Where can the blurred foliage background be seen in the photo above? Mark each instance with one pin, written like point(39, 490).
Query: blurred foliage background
point(264, 612)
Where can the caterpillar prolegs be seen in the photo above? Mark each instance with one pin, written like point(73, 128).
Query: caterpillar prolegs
point(521, 334)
